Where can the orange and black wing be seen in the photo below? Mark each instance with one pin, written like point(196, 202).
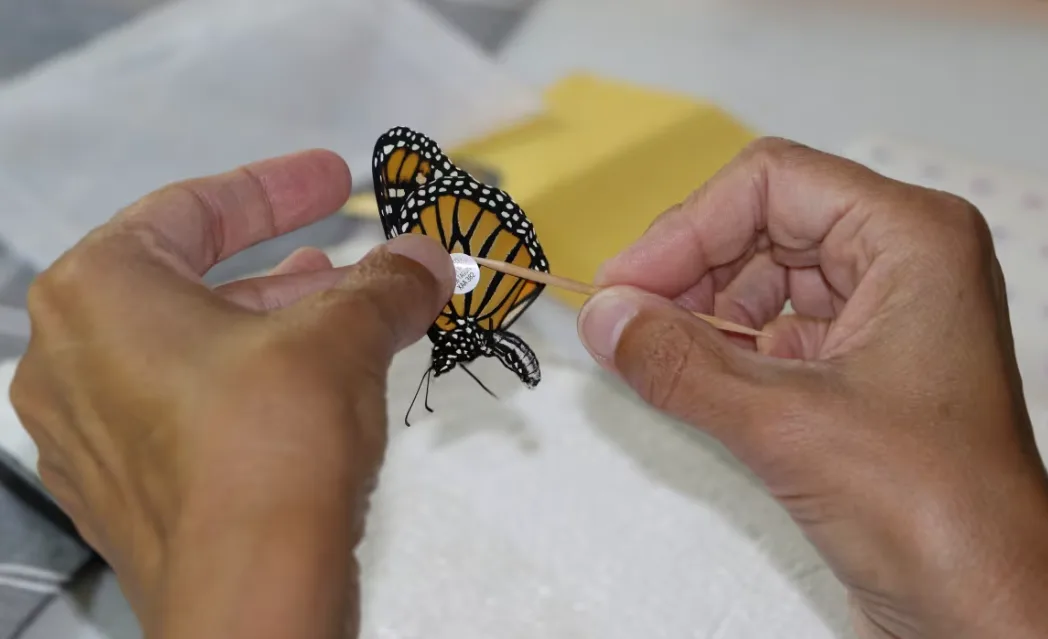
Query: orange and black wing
point(483, 221)
point(404, 161)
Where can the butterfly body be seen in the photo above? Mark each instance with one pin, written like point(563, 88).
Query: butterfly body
point(419, 190)
point(467, 342)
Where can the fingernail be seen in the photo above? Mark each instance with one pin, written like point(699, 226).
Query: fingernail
point(604, 318)
point(427, 252)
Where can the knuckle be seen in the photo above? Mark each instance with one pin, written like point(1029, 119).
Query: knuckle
point(176, 194)
point(770, 150)
point(970, 221)
point(60, 282)
point(21, 390)
point(962, 232)
point(37, 297)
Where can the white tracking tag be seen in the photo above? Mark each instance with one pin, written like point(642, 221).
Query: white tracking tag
point(467, 273)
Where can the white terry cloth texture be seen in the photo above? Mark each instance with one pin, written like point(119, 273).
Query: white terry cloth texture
point(199, 86)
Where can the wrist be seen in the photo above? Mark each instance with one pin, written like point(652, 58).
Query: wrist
point(985, 566)
point(272, 563)
point(1011, 597)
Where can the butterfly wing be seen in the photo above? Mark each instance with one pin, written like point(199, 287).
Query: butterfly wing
point(483, 221)
point(405, 160)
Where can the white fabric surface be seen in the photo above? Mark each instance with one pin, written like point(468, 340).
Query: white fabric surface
point(200, 86)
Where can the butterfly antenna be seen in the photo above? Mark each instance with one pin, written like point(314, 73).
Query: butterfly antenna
point(425, 376)
point(470, 373)
point(429, 376)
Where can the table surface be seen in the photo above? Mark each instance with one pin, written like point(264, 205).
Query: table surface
point(823, 76)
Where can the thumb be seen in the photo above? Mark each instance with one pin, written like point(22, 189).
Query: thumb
point(387, 300)
point(675, 361)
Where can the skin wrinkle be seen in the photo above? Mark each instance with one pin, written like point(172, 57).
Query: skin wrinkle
point(860, 259)
point(269, 217)
point(212, 228)
point(745, 300)
point(701, 296)
point(155, 244)
point(281, 289)
point(252, 296)
point(678, 366)
point(761, 188)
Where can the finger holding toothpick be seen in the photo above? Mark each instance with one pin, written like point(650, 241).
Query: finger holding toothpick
point(583, 288)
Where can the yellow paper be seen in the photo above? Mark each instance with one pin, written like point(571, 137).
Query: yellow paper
point(602, 162)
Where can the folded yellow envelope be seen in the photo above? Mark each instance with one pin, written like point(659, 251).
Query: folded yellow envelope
point(603, 161)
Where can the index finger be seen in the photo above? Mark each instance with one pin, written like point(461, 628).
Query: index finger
point(776, 193)
point(194, 224)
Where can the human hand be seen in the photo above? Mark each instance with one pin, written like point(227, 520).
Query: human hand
point(886, 415)
point(217, 447)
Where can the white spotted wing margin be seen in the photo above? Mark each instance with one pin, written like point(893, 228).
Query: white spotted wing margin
point(425, 162)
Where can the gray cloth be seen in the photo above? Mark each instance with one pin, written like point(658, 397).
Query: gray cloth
point(39, 551)
point(15, 276)
point(489, 26)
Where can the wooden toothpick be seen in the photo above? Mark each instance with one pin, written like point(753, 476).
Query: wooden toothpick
point(589, 289)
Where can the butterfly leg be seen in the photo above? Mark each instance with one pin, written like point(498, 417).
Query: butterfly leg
point(470, 373)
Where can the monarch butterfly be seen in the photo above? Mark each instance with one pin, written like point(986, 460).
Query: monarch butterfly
point(419, 190)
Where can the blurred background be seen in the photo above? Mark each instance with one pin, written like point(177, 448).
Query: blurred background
point(577, 107)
